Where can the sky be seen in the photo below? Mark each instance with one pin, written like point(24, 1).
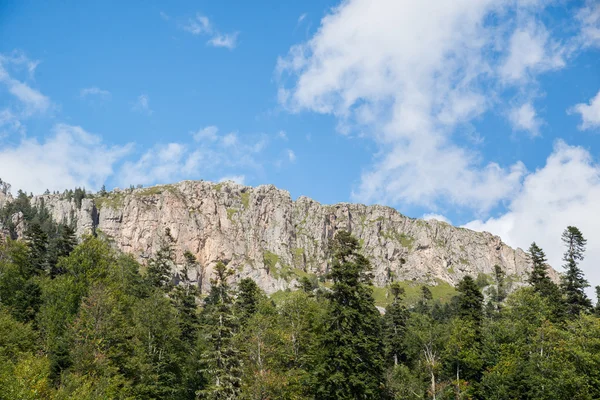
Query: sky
point(484, 114)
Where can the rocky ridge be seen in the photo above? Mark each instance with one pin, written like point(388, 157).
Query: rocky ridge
point(267, 236)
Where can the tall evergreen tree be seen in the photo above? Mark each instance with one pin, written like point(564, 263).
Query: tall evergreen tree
point(351, 365)
point(160, 266)
point(394, 331)
point(248, 298)
point(221, 362)
point(573, 282)
point(470, 300)
point(37, 241)
point(61, 246)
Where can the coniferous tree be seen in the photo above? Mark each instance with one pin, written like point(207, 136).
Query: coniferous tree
point(221, 362)
point(573, 282)
point(541, 282)
point(470, 300)
point(395, 319)
point(61, 246)
point(184, 300)
point(160, 266)
point(37, 241)
point(248, 298)
point(351, 365)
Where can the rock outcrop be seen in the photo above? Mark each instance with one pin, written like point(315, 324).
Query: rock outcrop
point(267, 236)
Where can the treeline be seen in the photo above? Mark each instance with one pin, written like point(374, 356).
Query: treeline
point(83, 321)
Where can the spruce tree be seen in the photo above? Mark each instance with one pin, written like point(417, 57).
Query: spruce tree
point(37, 241)
point(394, 331)
point(61, 246)
point(351, 363)
point(247, 300)
point(184, 300)
point(573, 282)
point(221, 362)
point(159, 269)
point(470, 300)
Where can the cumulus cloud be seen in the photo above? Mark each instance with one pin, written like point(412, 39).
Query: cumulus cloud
point(524, 118)
point(207, 159)
point(207, 133)
point(410, 75)
point(566, 191)
point(589, 18)
point(67, 158)
point(408, 78)
point(531, 51)
point(590, 113)
point(437, 217)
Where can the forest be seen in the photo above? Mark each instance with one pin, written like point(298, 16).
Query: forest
point(81, 320)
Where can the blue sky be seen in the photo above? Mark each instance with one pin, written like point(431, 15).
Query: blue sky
point(486, 114)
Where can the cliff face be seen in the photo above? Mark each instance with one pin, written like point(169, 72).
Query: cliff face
point(265, 235)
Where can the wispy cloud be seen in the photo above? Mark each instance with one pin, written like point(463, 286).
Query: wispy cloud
point(291, 155)
point(207, 133)
point(142, 105)
point(94, 91)
point(201, 25)
point(228, 40)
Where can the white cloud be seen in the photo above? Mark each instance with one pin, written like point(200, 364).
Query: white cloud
point(589, 17)
point(10, 123)
point(94, 91)
point(566, 191)
point(208, 159)
point(282, 135)
point(142, 105)
point(291, 155)
point(301, 18)
point(524, 118)
point(165, 16)
point(438, 217)
point(198, 25)
point(408, 75)
point(227, 40)
point(70, 157)
point(230, 139)
point(590, 113)
point(207, 133)
point(239, 179)
point(32, 100)
point(531, 51)
point(201, 25)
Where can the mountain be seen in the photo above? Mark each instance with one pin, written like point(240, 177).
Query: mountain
point(267, 236)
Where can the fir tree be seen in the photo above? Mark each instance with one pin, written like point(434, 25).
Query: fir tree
point(351, 365)
point(395, 319)
point(247, 299)
point(221, 362)
point(470, 300)
point(61, 246)
point(184, 300)
point(159, 269)
point(37, 241)
point(573, 282)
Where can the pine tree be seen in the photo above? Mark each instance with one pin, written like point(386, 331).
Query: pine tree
point(221, 362)
point(351, 365)
point(573, 282)
point(394, 331)
point(470, 300)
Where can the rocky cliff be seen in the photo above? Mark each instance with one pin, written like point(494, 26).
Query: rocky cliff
point(267, 236)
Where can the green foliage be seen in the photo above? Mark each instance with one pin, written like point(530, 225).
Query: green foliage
point(270, 261)
point(351, 363)
point(573, 283)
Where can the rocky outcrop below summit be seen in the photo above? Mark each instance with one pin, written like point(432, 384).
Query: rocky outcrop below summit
point(267, 236)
